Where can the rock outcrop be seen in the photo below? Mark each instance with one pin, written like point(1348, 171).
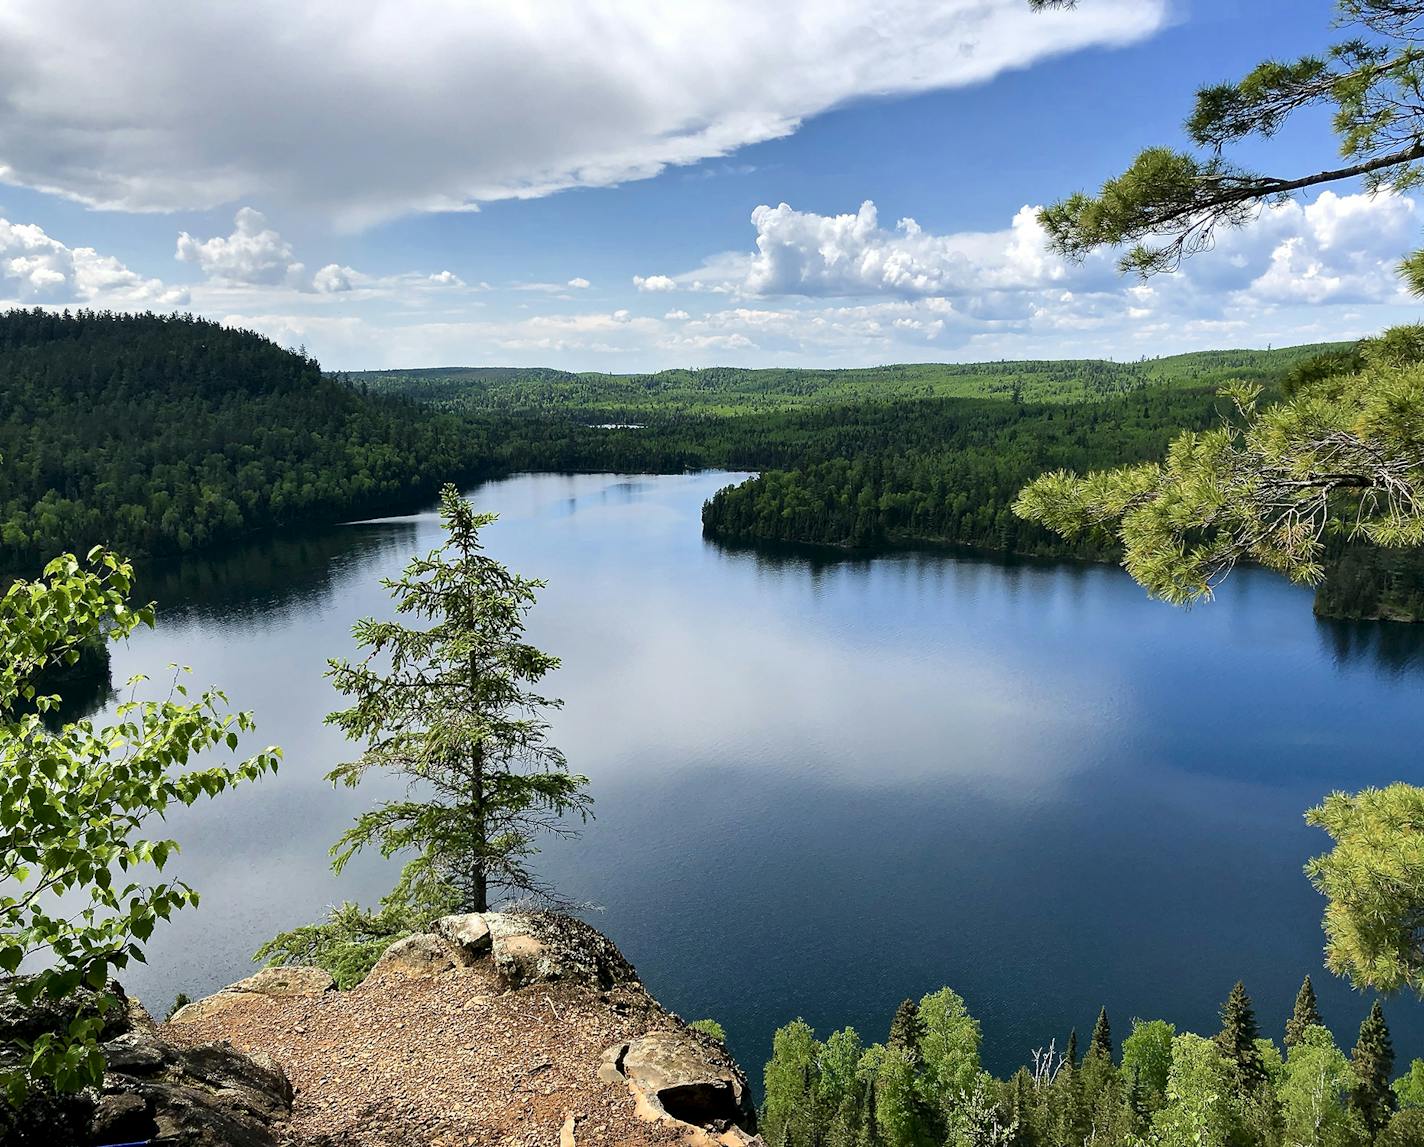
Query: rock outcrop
point(272, 983)
point(203, 1095)
point(492, 1028)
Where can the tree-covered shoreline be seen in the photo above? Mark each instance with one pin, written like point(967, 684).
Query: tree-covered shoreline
point(165, 435)
point(169, 434)
point(925, 1085)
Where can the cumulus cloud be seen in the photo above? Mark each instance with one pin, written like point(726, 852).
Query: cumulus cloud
point(1337, 249)
point(292, 110)
point(253, 254)
point(802, 253)
point(579, 283)
point(333, 279)
point(447, 279)
point(36, 268)
point(845, 290)
point(654, 283)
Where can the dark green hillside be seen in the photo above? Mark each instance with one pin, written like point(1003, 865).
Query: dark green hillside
point(159, 433)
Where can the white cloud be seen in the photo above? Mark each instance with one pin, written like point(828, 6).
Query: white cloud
point(253, 254)
point(654, 283)
point(676, 316)
point(802, 253)
point(1340, 248)
point(579, 283)
point(335, 279)
point(163, 107)
point(448, 279)
point(1336, 249)
point(37, 269)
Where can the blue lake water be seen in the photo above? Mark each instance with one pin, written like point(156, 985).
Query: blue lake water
point(825, 785)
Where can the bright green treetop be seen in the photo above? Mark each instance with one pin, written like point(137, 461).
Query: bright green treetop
point(1374, 881)
point(1314, 1093)
point(75, 804)
point(1200, 1109)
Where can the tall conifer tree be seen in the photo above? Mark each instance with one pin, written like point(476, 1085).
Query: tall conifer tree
point(907, 1030)
point(1237, 1039)
point(1102, 1036)
point(1305, 1014)
point(452, 709)
point(1373, 1061)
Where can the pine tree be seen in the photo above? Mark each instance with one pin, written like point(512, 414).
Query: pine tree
point(1102, 1036)
point(1071, 1059)
point(906, 1030)
point(1306, 1014)
point(1373, 1062)
point(1237, 1039)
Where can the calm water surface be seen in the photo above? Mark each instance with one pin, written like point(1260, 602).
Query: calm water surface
point(824, 786)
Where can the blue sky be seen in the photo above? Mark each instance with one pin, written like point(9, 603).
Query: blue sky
point(630, 186)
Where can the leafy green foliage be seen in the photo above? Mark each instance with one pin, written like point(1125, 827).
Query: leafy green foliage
point(1409, 1087)
point(351, 939)
point(1171, 1089)
point(75, 802)
point(450, 708)
point(1314, 1094)
point(1147, 1057)
point(1373, 880)
point(710, 1028)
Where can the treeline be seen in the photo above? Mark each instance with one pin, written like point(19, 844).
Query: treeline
point(925, 1087)
point(158, 433)
point(727, 391)
point(894, 455)
point(947, 471)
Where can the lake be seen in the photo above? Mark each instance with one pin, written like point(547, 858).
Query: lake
point(825, 784)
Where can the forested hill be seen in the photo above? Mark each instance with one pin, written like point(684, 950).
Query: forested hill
point(160, 433)
point(895, 454)
point(732, 390)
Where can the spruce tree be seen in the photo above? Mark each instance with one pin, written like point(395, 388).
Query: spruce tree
point(451, 709)
point(1070, 1060)
point(1373, 1062)
point(906, 1030)
point(1306, 1014)
point(1237, 1039)
point(1102, 1036)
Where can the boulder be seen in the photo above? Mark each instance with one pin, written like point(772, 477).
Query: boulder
point(541, 947)
point(680, 1077)
point(467, 933)
point(414, 957)
point(205, 1096)
point(210, 1006)
point(282, 982)
point(273, 983)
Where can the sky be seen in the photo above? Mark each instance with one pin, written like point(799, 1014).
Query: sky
point(632, 186)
